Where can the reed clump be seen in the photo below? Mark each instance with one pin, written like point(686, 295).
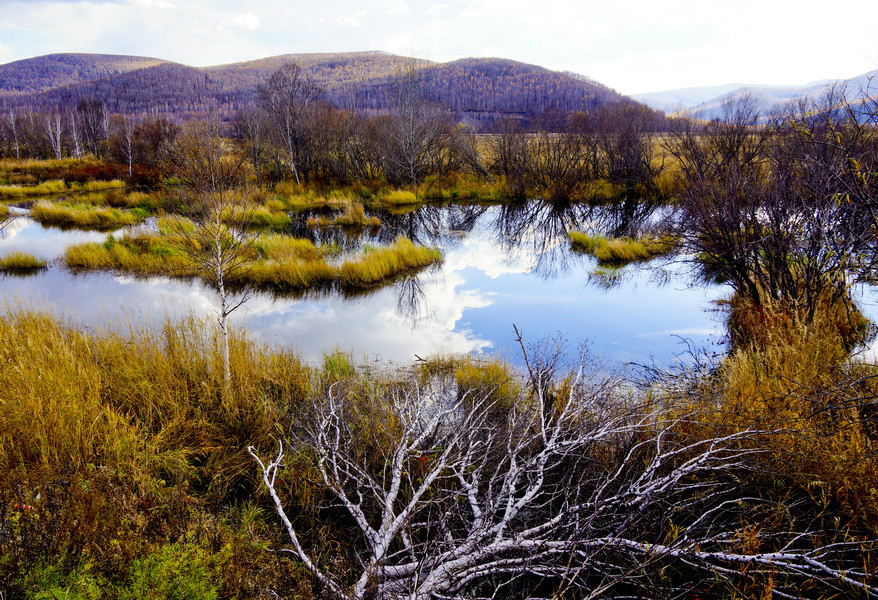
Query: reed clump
point(790, 375)
point(21, 262)
point(41, 189)
point(380, 264)
point(621, 251)
point(353, 215)
point(398, 198)
point(276, 262)
point(56, 186)
point(85, 216)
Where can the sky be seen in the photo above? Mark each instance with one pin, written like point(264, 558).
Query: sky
point(630, 45)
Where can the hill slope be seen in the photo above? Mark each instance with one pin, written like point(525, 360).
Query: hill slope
point(56, 70)
point(477, 89)
point(707, 102)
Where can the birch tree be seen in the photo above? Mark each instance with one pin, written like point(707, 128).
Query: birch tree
point(218, 252)
point(287, 97)
point(579, 494)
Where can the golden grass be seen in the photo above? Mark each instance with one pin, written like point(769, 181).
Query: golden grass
point(21, 262)
point(4, 211)
point(57, 186)
point(354, 215)
point(398, 198)
point(259, 217)
point(462, 187)
point(278, 262)
point(381, 264)
point(621, 251)
point(84, 216)
point(41, 189)
point(146, 403)
point(793, 378)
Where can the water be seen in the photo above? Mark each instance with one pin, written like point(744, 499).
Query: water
point(504, 267)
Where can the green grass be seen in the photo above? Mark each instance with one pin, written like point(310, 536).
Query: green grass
point(85, 216)
point(21, 262)
point(620, 251)
point(259, 217)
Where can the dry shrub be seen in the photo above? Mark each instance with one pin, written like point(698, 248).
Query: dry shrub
point(792, 376)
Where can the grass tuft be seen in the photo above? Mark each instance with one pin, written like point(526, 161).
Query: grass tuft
point(354, 215)
point(279, 262)
point(380, 264)
point(21, 262)
point(84, 216)
point(621, 251)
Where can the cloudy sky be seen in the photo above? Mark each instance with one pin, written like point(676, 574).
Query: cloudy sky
point(631, 45)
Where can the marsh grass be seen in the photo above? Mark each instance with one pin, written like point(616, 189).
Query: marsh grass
point(792, 376)
point(398, 198)
point(258, 217)
point(381, 264)
point(85, 216)
point(4, 211)
point(57, 186)
point(461, 188)
point(277, 262)
point(621, 251)
point(353, 215)
point(21, 263)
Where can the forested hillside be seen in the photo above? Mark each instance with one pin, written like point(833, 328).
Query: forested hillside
point(479, 91)
point(55, 70)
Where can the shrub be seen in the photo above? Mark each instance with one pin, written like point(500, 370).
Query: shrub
point(181, 571)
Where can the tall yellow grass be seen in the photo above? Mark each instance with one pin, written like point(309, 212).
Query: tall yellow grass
point(84, 216)
point(277, 262)
point(20, 262)
point(621, 251)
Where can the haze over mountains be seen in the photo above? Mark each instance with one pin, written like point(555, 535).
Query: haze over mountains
point(706, 102)
point(477, 90)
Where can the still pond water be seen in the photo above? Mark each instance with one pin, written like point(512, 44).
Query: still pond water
point(503, 266)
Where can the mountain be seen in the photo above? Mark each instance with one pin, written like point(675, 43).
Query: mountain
point(479, 90)
point(56, 70)
point(707, 102)
point(672, 101)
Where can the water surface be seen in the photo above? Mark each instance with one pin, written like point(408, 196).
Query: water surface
point(504, 266)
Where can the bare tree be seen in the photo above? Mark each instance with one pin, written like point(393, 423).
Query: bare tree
point(287, 98)
point(457, 496)
point(129, 126)
point(414, 138)
point(218, 251)
point(93, 120)
point(75, 133)
point(54, 130)
point(13, 127)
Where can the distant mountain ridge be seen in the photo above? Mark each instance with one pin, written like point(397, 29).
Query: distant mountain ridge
point(707, 102)
point(55, 70)
point(479, 90)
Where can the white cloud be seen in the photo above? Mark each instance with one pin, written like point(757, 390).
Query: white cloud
point(353, 20)
point(434, 10)
point(245, 20)
point(634, 46)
